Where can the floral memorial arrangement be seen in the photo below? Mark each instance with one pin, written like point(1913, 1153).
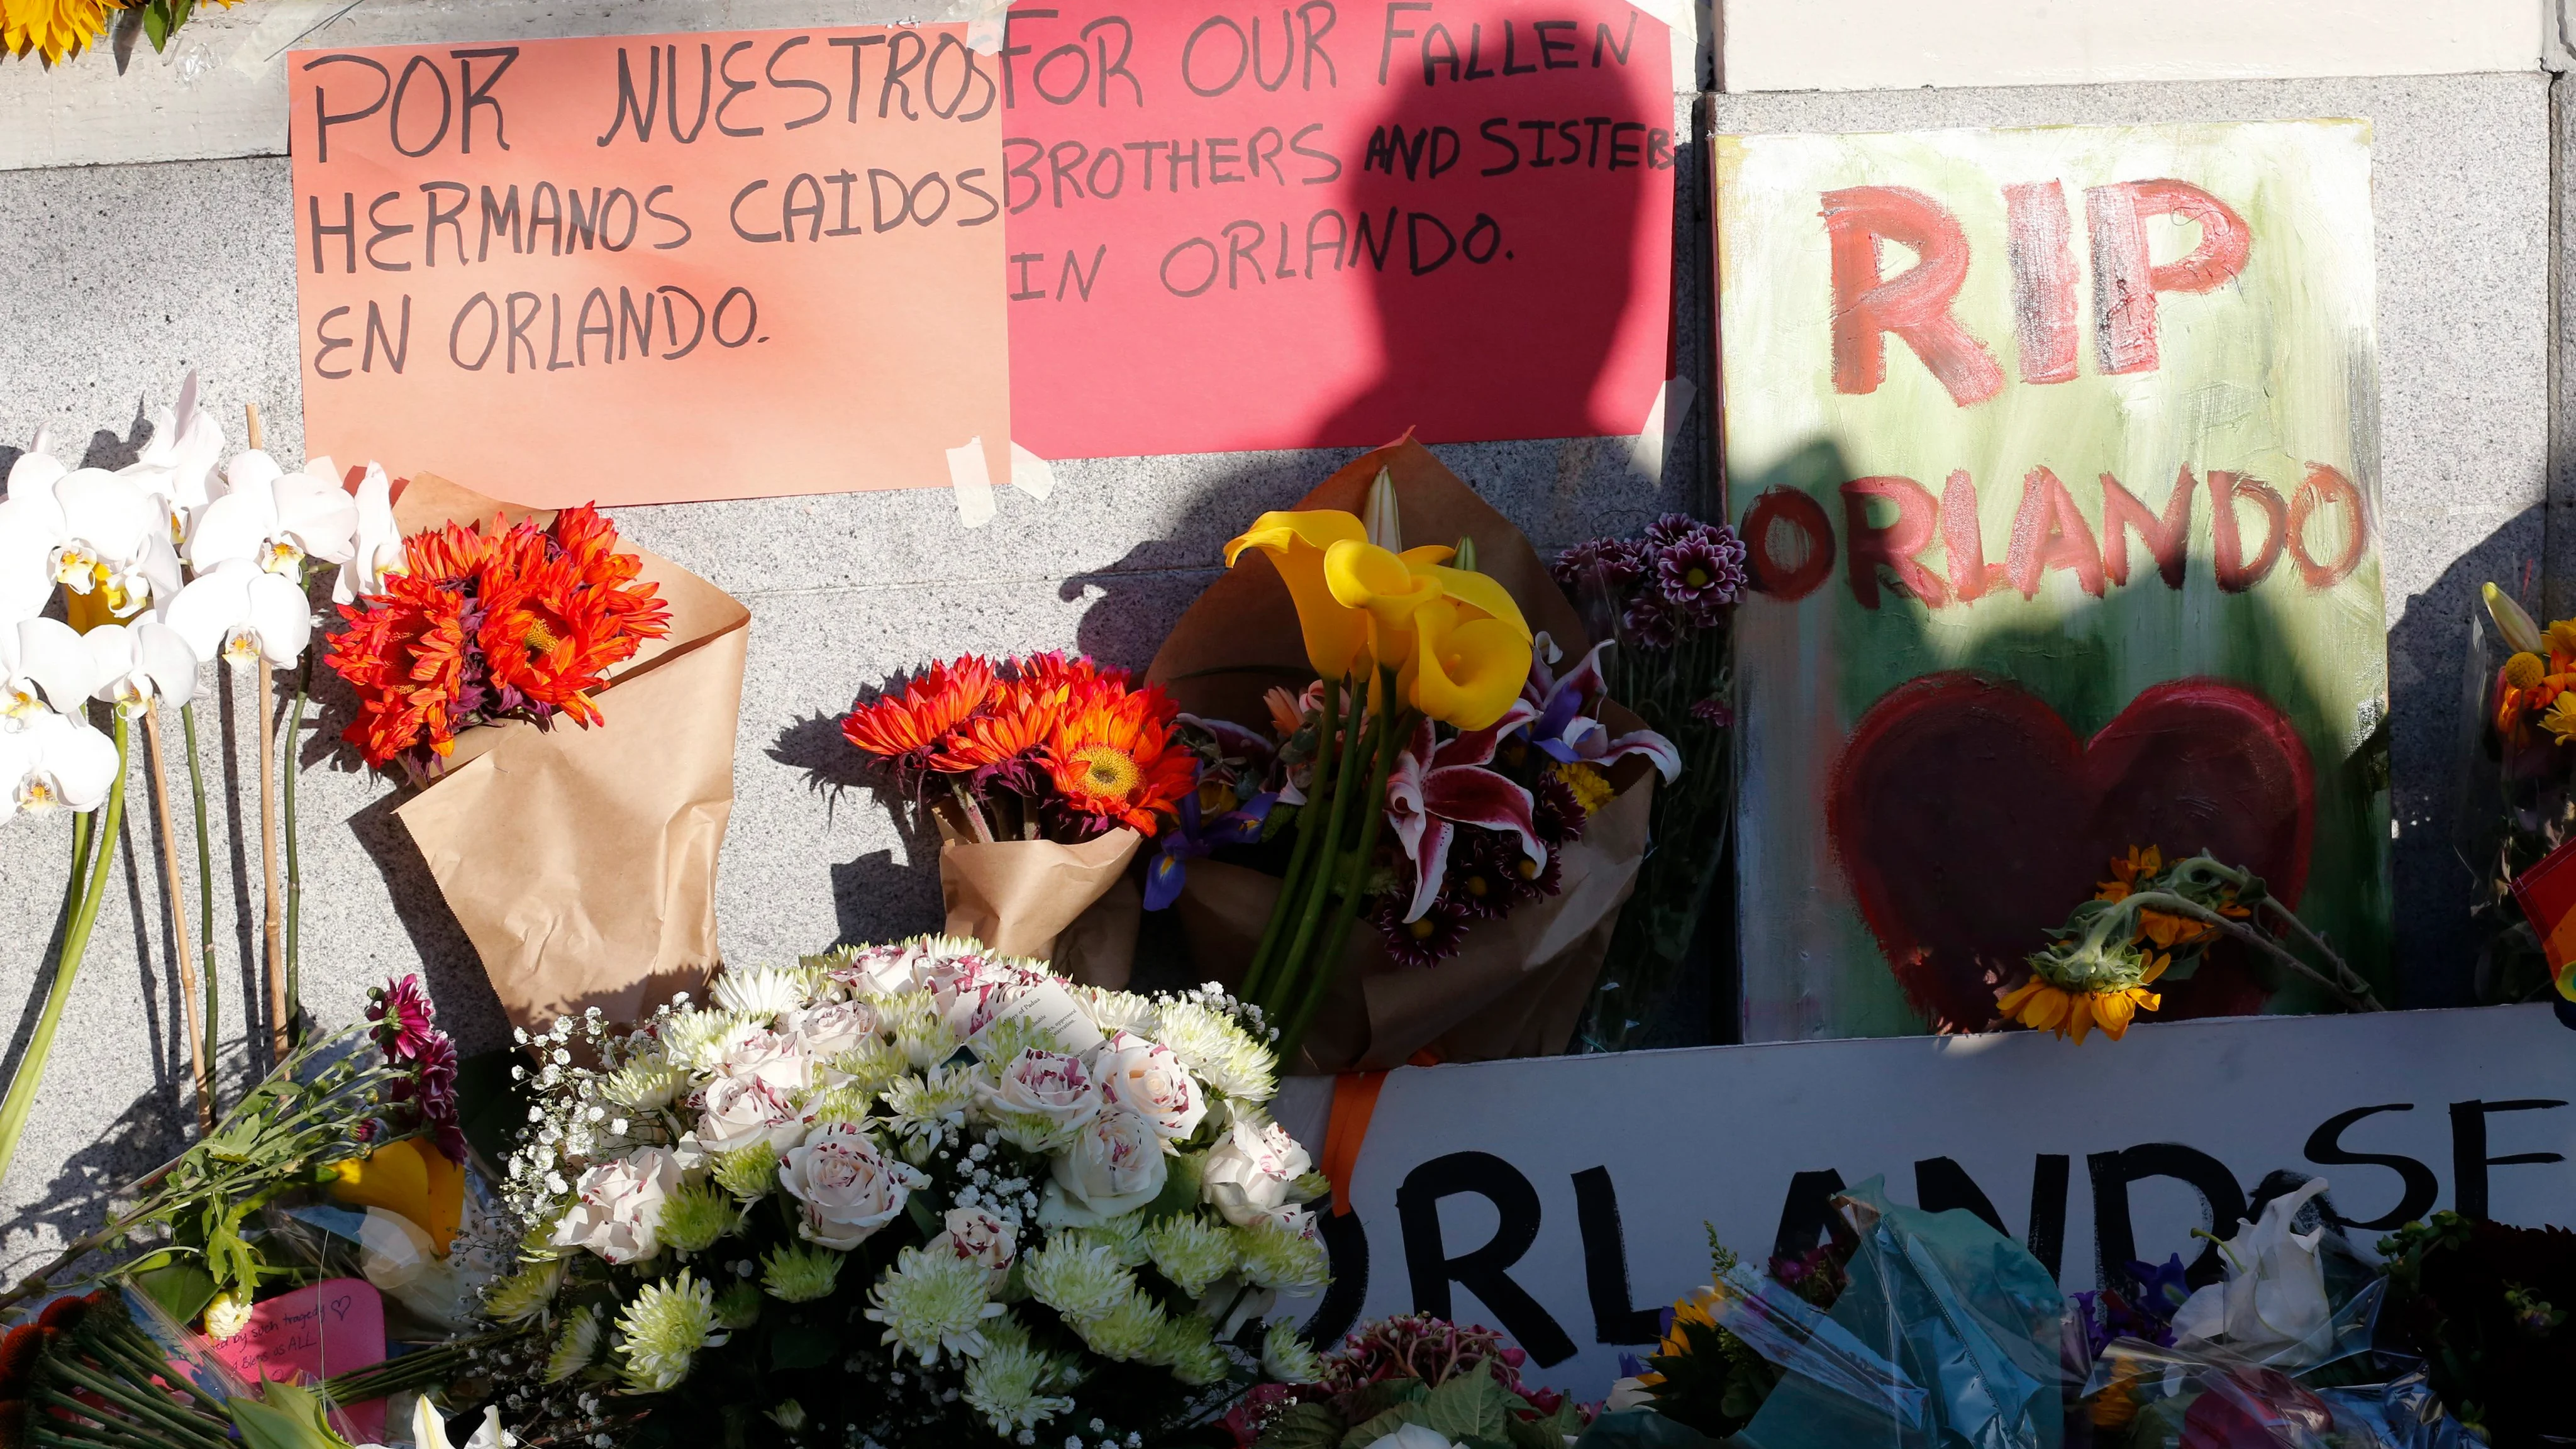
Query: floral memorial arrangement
point(496, 621)
point(915, 1194)
point(1410, 1382)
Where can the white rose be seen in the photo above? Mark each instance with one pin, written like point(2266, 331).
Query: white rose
point(1147, 1079)
point(978, 1237)
point(880, 971)
point(1250, 1171)
point(974, 991)
point(1113, 1165)
point(619, 1214)
point(774, 1057)
point(739, 1111)
point(1046, 1084)
point(848, 1187)
point(828, 1031)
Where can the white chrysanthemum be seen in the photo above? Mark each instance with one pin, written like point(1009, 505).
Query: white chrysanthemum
point(843, 1103)
point(1123, 1235)
point(1281, 1257)
point(920, 1029)
point(576, 1348)
point(1009, 1384)
point(1117, 1011)
point(1125, 1333)
point(1188, 1347)
point(749, 1173)
point(664, 1327)
point(761, 992)
point(1077, 1279)
point(1190, 1251)
point(1287, 1357)
point(800, 1273)
point(1217, 1051)
point(867, 1067)
point(932, 1303)
point(921, 1106)
point(696, 1215)
point(697, 1040)
point(523, 1294)
point(1000, 1044)
point(738, 1307)
point(644, 1086)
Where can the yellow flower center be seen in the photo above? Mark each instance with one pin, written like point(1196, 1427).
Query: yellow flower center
point(38, 794)
point(1697, 578)
point(1527, 869)
point(1107, 770)
point(281, 557)
point(1420, 930)
point(21, 702)
point(541, 640)
point(77, 569)
point(241, 646)
point(1477, 887)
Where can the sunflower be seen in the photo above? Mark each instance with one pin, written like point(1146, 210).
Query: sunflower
point(1113, 758)
point(2043, 1005)
point(54, 29)
point(2141, 863)
point(2561, 718)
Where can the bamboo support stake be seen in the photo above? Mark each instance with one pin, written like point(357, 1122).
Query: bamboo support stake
point(273, 955)
point(171, 887)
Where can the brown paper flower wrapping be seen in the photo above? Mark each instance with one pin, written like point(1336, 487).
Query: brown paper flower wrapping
point(1026, 897)
point(1518, 984)
point(582, 862)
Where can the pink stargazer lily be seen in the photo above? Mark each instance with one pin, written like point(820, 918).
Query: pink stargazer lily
point(1555, 707)
point(1437, 786)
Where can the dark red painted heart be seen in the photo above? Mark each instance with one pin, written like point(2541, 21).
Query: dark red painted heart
point(1969, 820)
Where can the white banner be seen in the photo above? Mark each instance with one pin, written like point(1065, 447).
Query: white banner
point(1563, 1200)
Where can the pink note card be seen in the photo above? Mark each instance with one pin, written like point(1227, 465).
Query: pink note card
point(312, 1333)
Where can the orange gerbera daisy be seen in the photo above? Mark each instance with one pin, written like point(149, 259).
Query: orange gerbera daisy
point(1113, 758)
point(911, 728)
point(1019, 718)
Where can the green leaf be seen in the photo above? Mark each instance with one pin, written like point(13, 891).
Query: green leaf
point(182, 1289)
point(1373, 1429)
point(156, 24)
point(1471, 1406)
point(1308, 1426)
point(1182, 1182)
point(283, 1417)
point(917, 1208)
point(795, 1346)
point(1375, 1399)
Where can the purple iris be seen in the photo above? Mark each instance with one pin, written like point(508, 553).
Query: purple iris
point(1192, 838)
point(1560, 726)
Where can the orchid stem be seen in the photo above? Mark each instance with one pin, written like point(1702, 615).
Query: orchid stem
point(1288, 986)
point(1302, 857)
point(274, 921)
point(172, 889)
point(1328, 963)
point(294, 871)
point(21, 1102)
point(205, 898)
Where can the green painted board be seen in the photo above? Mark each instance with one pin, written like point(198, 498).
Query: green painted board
point(2056, 452)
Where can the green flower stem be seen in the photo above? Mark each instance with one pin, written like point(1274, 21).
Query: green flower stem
point(79, 878)
point(1290, 983)
point(154, 1411)
point(1301, 859)
point(2354, 993)
point(1328, 963)
point(84, 1431)
point(294, 872)
point(21, 1102)
point(205, 903)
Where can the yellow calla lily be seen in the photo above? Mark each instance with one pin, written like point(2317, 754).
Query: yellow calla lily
point(410, 1177)
point(1468, 668)
point(1387, 587)
point(1296, 543)
point(1483, 594)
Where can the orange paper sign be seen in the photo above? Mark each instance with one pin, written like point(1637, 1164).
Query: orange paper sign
point(644, 269)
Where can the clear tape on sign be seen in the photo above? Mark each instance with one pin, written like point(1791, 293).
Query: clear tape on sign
point(1031, 474)
point(1664, 420)
point(287, 23)
point(1672, 12)
point(973, 482)
point(984, 21)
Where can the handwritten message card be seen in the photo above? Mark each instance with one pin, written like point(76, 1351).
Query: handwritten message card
point(312, 1333)
point(650, 268)
point(1267, 226)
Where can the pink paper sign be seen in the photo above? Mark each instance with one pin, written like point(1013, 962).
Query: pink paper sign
point(1270, 226)
point(312, 1333)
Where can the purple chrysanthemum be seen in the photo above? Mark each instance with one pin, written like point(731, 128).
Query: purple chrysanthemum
point(405, 1018)
point(1428, 940)
point(1701, 574)
point(1671, 529)
point(1650, 623)
point(1713, 712)
point(1613, 563)
point(431, 1091)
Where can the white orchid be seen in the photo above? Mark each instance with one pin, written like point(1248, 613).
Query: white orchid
point(141, 663)
point(379, 546)
point(242, 613)
point(44, 669)
point(275, 519)
point(2272, 1306)
point(175, 465)
point(100, 534)
point(53, 761)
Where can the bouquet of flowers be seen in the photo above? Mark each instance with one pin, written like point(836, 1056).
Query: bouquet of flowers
point(1666, 596)
point(1043, 775)
point(496, 621)
point(1451, 777)
point(2488, 1307)
point(1407, 1381)
point(908, 1195)
point(2527, 719)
